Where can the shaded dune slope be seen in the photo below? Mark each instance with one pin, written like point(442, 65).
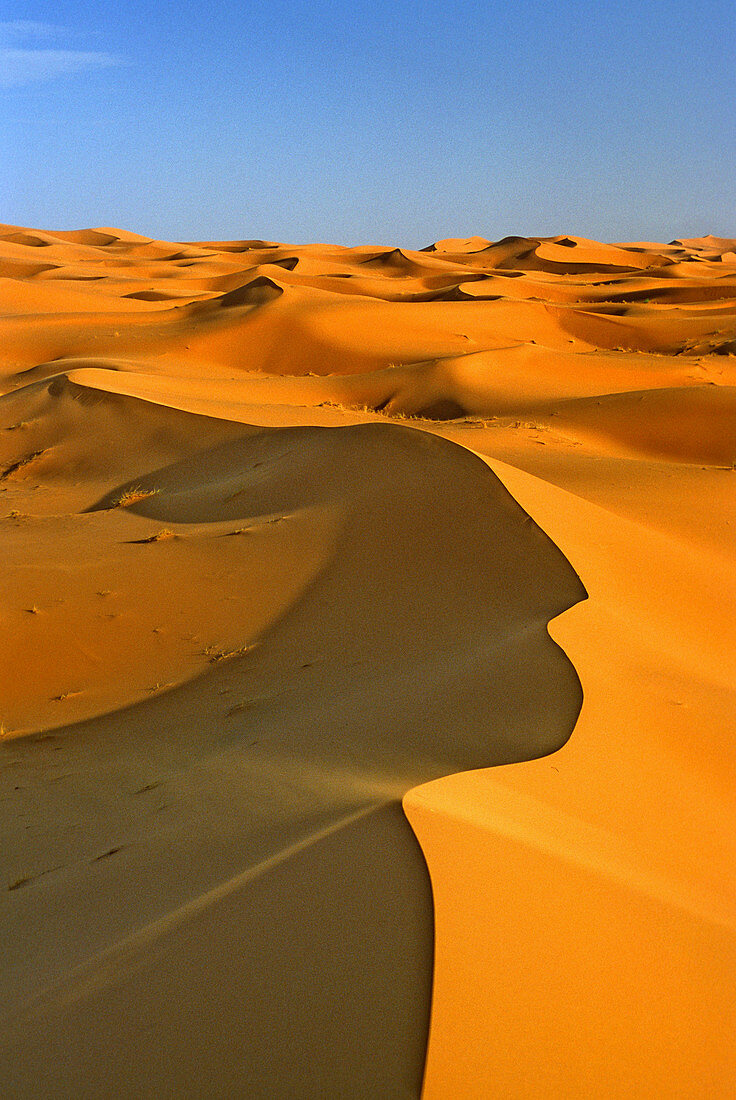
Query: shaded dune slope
point(281, 758)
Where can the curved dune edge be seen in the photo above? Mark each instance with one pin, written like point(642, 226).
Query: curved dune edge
point(283, 756)
point(609, 968)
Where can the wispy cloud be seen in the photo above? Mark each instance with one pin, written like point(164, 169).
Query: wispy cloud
point(26, 57)
point(16, 30)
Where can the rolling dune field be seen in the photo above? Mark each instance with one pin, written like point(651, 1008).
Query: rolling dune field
point(368, 686)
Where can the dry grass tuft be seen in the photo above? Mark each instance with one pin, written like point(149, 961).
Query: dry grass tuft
point(160, 536)
point(133, 496)
point(217, 655)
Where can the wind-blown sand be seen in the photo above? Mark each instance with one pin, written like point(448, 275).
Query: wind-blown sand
point(294, 533)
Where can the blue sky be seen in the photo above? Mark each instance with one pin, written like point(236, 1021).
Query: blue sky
point(388, 121)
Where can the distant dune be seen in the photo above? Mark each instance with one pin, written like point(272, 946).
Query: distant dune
point(368, 682)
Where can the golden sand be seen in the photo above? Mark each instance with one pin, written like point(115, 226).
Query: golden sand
point(294, 534)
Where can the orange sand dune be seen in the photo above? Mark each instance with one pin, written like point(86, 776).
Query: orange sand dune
point(294, 535)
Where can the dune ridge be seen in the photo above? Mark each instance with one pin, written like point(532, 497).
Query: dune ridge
point(293, 533)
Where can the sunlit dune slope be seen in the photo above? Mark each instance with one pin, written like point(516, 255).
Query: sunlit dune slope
point(283, 531)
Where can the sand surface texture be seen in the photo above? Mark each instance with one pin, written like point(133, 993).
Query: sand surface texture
point(294, 535)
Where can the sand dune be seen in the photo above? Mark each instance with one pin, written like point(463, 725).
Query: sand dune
point(294, 533)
